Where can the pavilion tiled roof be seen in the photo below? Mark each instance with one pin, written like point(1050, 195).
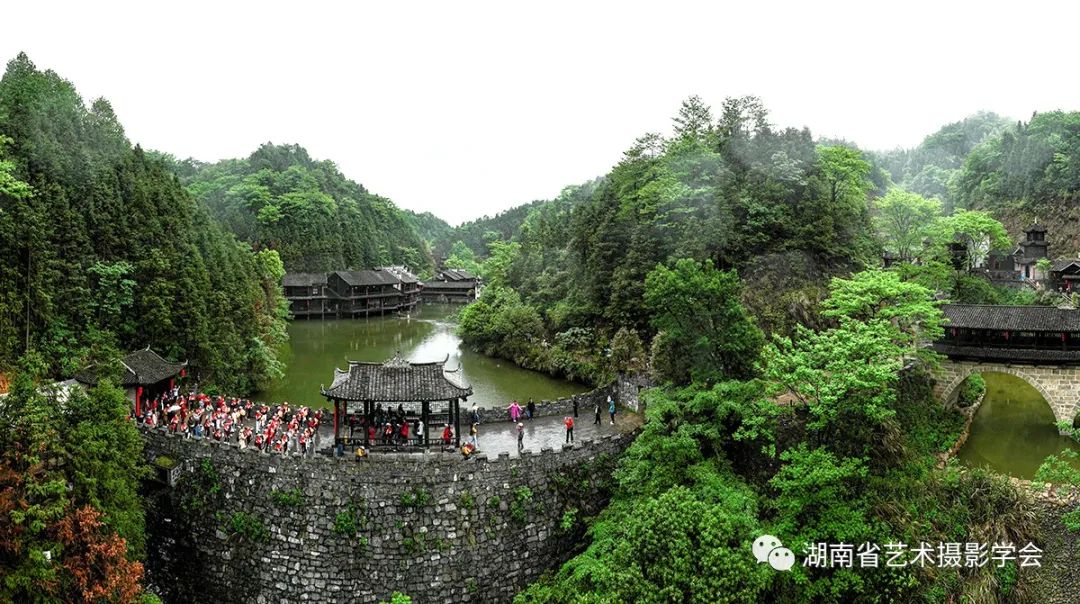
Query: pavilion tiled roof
point(396, 381)
point(141, 368)
point(1011, 318)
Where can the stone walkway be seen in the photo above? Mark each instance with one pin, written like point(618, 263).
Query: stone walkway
point(501, 437)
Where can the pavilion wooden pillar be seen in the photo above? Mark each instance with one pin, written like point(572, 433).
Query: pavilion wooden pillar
point(455, 408)
point(367, 422)
point(424, 419)
point(337, 426)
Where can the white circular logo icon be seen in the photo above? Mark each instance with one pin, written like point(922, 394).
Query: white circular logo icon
point(767, 548)
point(781, 559)
point(763, 545)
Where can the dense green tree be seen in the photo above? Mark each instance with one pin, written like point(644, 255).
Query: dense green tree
point(732, 190)
point(873, 295)
point(932, 169)
point(71, 519)
point(107, 462)
point(1031, 162)
point(101, 248)
point(462, 257)
point(696, 310)
point(977, 231)
point(902, 221)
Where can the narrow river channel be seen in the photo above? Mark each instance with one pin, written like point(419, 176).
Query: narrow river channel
point(315, 348)
point(1013, 431)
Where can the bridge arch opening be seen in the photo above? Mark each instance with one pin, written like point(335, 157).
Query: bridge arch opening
point(954, 389)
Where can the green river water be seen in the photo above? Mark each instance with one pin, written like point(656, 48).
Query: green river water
point(1013, 431)
point(316, 347)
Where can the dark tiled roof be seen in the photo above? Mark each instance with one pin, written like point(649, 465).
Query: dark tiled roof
point(1036, 228)
point(1015, 355)
point(395, 381)
point(449, 285)
point(400, 273)
point(1011, 318)
point(367, 277)
point(1060, 265)
point(141, 368)
point(456, 274)
point(303, 279)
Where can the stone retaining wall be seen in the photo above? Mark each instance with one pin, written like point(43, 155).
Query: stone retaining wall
point(431, 525)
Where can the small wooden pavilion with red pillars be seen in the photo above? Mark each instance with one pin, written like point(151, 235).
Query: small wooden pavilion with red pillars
point(145, 376)
point(423, 391)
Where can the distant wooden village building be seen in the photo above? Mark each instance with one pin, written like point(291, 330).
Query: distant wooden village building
point(1022, 265)
point(1030, 251)
point(146, 375)
point(308, 295)
point(452, 285)
point(351, 293)
point(1065, 274)
point(426, 391)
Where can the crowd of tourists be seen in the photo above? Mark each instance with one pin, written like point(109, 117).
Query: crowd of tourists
point(284, 429)
point(279, 428)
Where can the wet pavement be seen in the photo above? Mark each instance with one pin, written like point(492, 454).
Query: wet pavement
point(501, 437)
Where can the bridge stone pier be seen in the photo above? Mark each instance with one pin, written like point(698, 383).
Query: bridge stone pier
point(1058, 384)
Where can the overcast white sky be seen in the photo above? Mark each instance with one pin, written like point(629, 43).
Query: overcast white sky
point(466, 109)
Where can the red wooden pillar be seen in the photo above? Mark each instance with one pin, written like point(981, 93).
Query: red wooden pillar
point(138, 401)
point(335, 422)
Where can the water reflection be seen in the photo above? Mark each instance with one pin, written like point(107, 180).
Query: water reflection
point(317, 347)
point(1013, 431)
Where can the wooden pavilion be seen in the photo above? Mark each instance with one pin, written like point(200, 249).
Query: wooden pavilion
point(145, 376)
point(356, 391)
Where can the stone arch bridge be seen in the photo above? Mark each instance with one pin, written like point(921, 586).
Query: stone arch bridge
point(1059, 385)
point(1038, 344)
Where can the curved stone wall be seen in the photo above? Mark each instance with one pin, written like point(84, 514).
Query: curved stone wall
point(240, 526)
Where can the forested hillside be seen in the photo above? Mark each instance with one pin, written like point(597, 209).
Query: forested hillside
point(929, 169)
point(476, 234)
point(102, 249)
point(430, 227)
point(811, 429)
point(734, 190)
point(1029, 171)
point(279, 198)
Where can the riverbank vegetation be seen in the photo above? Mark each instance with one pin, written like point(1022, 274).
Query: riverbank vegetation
point(733, 191)
point(834, 440)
